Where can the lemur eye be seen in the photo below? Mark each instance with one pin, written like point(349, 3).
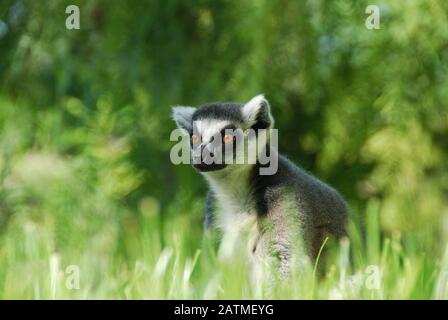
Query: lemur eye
point(194, 139)
point(228, 138)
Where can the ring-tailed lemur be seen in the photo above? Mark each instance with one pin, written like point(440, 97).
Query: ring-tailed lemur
point(275, 211)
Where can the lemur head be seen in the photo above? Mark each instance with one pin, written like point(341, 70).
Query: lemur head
point(216, 130)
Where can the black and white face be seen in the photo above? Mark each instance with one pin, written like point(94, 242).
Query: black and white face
point(214, 143)
point(218, 131)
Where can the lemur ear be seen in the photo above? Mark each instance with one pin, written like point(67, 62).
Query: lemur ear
point(183, 117)
point(257, 113)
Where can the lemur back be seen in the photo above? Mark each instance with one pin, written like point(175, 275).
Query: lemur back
point(320, 210)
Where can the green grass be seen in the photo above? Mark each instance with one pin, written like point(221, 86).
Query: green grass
point(32, 267)
point(65, 202)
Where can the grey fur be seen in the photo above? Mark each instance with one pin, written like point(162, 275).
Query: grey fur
point(287, 210)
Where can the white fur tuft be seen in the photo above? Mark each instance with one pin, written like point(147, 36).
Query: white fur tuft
point(252, 109)
point(183, 117)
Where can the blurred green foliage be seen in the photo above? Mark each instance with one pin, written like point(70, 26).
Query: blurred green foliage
point(85, 120)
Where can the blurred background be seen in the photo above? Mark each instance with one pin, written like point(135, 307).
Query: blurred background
point(85, 173)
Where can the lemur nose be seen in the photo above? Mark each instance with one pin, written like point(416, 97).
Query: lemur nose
point(204, 153)
point(199, 152)
point(209, 151)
